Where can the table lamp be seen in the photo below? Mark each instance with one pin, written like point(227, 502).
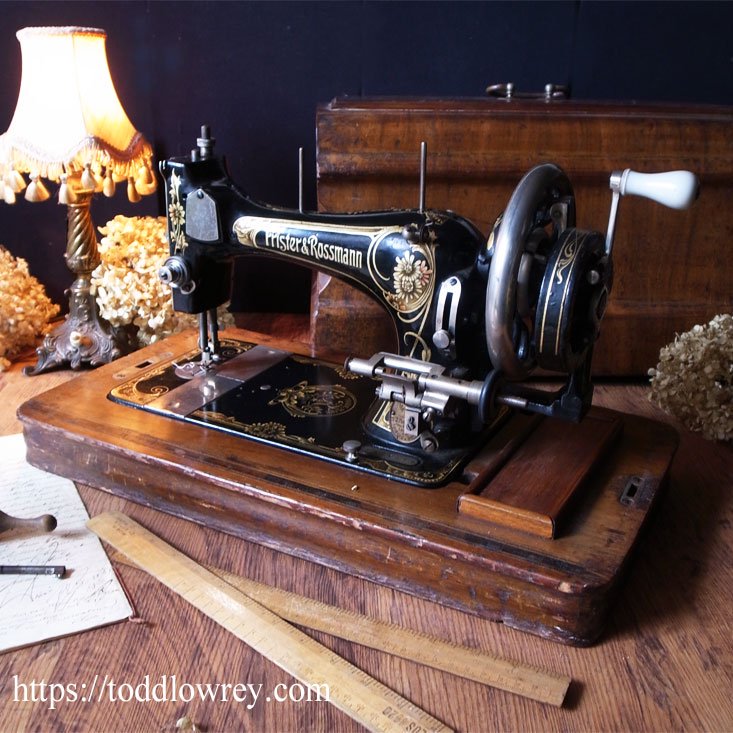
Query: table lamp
point(69, 128)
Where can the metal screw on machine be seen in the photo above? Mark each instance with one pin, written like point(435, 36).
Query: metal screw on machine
point(441, 339)
point(175, 272)
point(351, 448)
point(205, 143)
point(428, 442)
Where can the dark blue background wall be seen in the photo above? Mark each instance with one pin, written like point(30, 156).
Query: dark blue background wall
point(255, 71)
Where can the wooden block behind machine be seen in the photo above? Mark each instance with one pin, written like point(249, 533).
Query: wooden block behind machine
point(535, 487)
point(671, 268)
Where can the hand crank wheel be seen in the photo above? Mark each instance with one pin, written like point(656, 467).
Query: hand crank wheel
point(540, 208)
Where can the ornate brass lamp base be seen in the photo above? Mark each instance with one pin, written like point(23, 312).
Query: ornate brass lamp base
point(85, 338)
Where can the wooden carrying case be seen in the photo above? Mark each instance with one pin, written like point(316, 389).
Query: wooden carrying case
point(672, 268)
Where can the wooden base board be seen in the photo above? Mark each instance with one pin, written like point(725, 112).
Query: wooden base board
point(411, 539)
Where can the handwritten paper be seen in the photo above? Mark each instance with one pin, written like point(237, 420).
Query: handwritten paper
point(35, 608)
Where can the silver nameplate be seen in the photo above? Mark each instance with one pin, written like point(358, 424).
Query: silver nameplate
point(202, 221)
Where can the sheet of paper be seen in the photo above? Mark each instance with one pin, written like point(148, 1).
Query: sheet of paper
point(36, 608)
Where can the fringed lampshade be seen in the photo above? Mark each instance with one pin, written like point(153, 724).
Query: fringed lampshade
point(69, 128)
point(68, 121)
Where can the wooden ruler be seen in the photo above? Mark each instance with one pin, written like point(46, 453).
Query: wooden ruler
point(473, 664)
point(355, 693)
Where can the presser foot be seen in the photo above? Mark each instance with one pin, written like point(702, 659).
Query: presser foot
point(199, 368)
point(211, 354)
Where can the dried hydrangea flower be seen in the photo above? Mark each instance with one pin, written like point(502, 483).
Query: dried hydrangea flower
point(25, 309)
point(126, 283)
point(694, 378)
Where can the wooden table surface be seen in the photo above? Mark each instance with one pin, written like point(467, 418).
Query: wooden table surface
point(665, 663)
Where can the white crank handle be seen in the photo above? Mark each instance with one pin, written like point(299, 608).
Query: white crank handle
point(676, 189)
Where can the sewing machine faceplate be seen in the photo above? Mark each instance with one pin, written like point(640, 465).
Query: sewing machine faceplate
point(294, 402)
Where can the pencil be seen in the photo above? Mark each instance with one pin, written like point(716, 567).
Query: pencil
point(57, 570)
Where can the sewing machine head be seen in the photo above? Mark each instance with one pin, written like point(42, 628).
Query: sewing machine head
point(473, 316)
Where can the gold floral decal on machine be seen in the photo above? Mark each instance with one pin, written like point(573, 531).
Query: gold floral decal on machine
point(568, 255)
point(411, 277)
point(177, 215)
point(277, 433)
point(409, 290)
point(402, 272)
point(268, 431)
point(315, 400)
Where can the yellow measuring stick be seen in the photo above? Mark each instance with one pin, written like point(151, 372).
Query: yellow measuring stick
point(473, 664)
point(357, 694)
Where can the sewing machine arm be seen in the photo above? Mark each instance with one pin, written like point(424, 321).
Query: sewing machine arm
point(473, 318)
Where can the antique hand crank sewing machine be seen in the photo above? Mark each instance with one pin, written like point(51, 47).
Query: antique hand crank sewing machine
point(435, 469)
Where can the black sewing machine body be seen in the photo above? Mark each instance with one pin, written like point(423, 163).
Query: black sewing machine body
point(398, 257)
point(473, 316)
